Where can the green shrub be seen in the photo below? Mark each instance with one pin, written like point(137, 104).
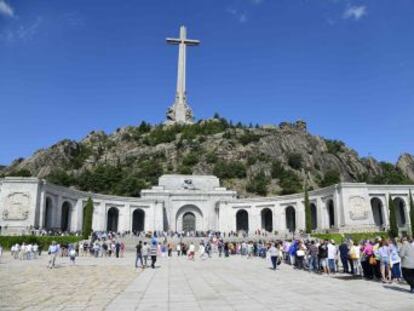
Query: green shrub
point(232, 169)
point(43, 241)
point(186, 170)
point(290, 183)
point(334, 146)
point(211, 157)
point(295, 161)
point(391, 175)
point(331, 177)
point(277, 169)
point(191, 159)
point(60, 177)
point(20, 173)
point(249, 137)
point(258, 184)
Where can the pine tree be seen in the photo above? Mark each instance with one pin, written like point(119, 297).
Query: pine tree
point(87, 219)
point(393, 231)
point(308, 213)
point(411, 213)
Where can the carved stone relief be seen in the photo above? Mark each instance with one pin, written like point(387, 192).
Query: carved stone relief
point(358, 208)
point(16, 206)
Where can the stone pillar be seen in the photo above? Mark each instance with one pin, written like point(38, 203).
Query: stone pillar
point(319, 214)
point(76, 217)
point(58, 214)
point(42, 209)
point(300, 216)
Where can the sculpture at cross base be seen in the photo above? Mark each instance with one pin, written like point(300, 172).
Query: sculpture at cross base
point(180, 111)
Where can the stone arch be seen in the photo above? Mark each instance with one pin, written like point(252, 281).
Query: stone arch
point(400, 213)
point(314, 216)
point(138, 220)
point(112, 219)
point(290, 213)
point(377, 209)
point(189, 218)
point(331, 213)
point(66, 215)
point(48, 215)
point(267, 219)
point(242, 220)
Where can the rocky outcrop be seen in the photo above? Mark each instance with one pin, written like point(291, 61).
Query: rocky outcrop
point(406, 164)
point(259, 147)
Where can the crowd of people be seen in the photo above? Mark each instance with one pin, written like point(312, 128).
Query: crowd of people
point(383, 260)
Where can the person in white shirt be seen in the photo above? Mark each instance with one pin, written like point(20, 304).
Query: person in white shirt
point(35, 250)
point(191, 251)
point(332, 253)
point(178, 248)
point(273, 253)
point(53, 252)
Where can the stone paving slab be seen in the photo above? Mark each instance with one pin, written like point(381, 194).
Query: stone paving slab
point(218, 284)
point(248, 284)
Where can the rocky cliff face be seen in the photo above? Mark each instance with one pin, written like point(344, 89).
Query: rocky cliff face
point(212, 147)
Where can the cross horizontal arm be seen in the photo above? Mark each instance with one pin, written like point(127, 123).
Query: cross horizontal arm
point(173, 41)
point(185, 41)
point(192, 42)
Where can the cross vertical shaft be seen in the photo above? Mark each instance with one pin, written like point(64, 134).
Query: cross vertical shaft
point(180, 112)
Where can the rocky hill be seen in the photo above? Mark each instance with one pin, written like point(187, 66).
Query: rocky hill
point(260, 160)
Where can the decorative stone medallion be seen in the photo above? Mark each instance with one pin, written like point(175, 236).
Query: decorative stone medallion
point(17, 206)
point(358, 208)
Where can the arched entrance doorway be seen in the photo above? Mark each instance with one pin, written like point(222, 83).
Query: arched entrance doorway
point(48, 214)
point(290, 218)
point(400, 212)
point(376, 208)
point(65, 219)
point(138, 221)
point(267, 219)
point(189, 218)
point(189, 222)
point(242, 221)
point(331, 213)
point(112, 220)
point(314, 216)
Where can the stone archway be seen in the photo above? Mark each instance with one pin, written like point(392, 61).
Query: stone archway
point(48, 215)
point(267, 219)
point(66, 215)
point(242, 220)
point(112, 219)
point(290, 218)
point(377, 212)
point(189, 218)
point(314, 216)
point(138, 221)
point(400, 214)
point(331, 213)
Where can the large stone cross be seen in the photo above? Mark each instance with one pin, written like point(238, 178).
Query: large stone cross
point(180, 111)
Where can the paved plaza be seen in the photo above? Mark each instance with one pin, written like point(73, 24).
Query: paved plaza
point(233, 283)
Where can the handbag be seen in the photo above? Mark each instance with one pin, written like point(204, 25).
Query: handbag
point(372, 261)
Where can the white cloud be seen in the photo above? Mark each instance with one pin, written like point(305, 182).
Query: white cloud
point(355, 12)
point(6, 9)
point(22, 32)
point(240, 16)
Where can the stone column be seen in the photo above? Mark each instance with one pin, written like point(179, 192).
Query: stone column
point(58, 214)
point(42, 209)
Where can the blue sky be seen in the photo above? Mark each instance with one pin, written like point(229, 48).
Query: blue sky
point(70, 67)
